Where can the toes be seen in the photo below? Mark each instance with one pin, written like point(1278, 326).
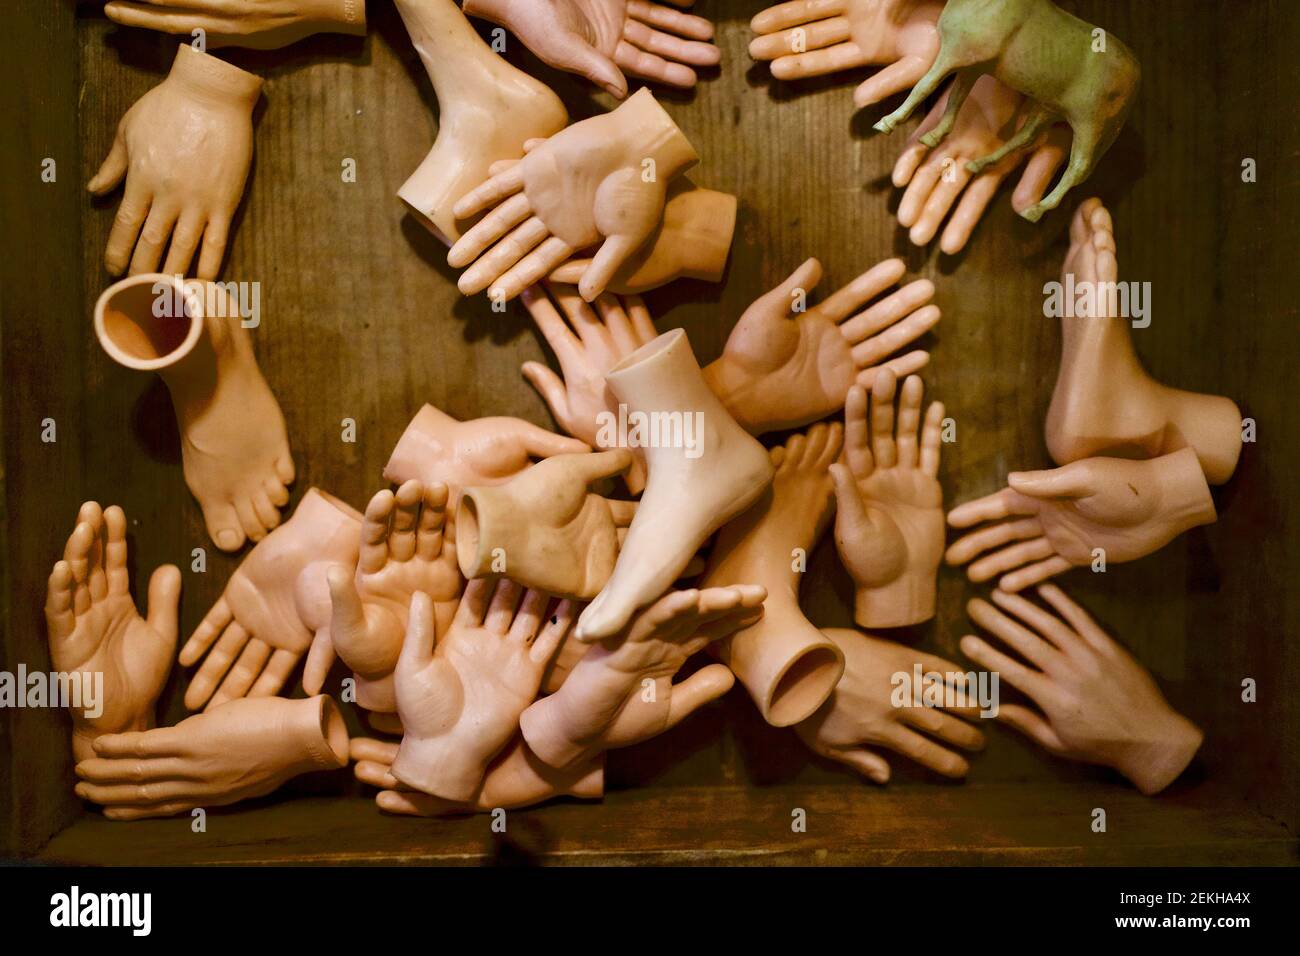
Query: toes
point(224, 527)
point(266, 512)
point(248, 518)
point(276, 492)
point(284, 469)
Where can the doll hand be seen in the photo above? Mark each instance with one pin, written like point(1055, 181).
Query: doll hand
point(862, 710)
point(240, 750)
point(461, 708)
point(94, 628)
point(692, 241)
point(593, 38)
point(622, 692)
point(406, 546)
point(184, 148)
point(591, 343)
point(782, 367)
point(813, 37)
point(258, 24)
point(602, 178)
point(889, 521)
point(260, 615)
point(1125, 509)
point(545, 528)
point(1099, 705)
point(516, 778)
point(935, 178)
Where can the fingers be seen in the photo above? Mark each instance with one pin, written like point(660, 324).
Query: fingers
point(540, 443)
point(883, 448)
point(682, 24)
point(551, 387)
point(497, 261)
point(705, 685)
point(844, 301)
point(871, 765)
point(1033, 726)
point(1034, 574)
point(532, 267)
point(643, 326)
point(247, 668)
point(417, 648)
point(159, 742)
point(59, 617)
point(661, 42)
point(603, 464)
point(986, 539)
point(949, 729)
point(551, 324)
point(904, 365)
point(613, 252)
point(1041, 169)
point(926, 752)
point(994, 507)
point(130, 217)
point(794, 43)
point(554, 631)
point(782, 16)
point(528, 619)
point(185, 240)
point(888, 311)
point(1078, 618)
point(1018, 675)
point(164, 602)
point(1052, 628)
point(1037, 549)
point(376, 751)
point(154, 234)
point(320, 658)
point(1023, 641)
point(430, 535)
point(1071, 481)
point(215, 237)
point(214, 666)
point(932, 439)
point(501, 612)
point(113, 169)
point(873, 350)
point(650, 66)
point(857, 450)
point(894, 78)
point(969, 212)
point(209, 630)
point(406, 514)
point(474, 602)
point(909, 422)
point(492, 191)
point(376, 774)
point(375, 525)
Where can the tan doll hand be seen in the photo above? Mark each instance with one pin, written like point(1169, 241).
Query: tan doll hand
point(95, 629)
point(692, 241)
point(622, 692)
point(592, 342)
point(604, 178)
point(482, 451)
point(261, 619)
point(814, 37)
point(544, 528)
point(184, 149)
point(935, 178)
point(1111, 508)
point(861, 711)
point(257, 24)
point(593, 38)
point(782, 368)
point(460, 708)
point(243, 749)
point(1098, 704)
point(407, 545)
point(889, 520)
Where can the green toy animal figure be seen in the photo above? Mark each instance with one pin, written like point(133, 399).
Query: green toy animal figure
point(1070, 69)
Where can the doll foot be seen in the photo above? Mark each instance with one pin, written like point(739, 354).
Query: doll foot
point(479, 126)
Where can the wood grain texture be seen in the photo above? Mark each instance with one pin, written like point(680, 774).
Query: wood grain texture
point(361, 320)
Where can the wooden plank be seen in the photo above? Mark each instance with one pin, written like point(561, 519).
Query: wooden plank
point(855, 825)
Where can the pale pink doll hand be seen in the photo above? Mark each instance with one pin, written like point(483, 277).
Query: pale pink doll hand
point(1099, 705)
point(94, 628)
point(594, 38)
point(986, 122)
point(782, 368)
point(243, 749)
point(257, 24)
point(482, 451)
point(592, 342)
point(266, 615)
point(603, 179)
point(516, 778)
point(814, 37)
point(407, 545)
point(460, 708)
point(861, 711)
point(184, 148)
point(621, 692)
point(1109, 508)
point(889, 520)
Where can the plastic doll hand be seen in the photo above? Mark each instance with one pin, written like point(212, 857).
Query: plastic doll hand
point(263, 627)
point(407, 545)
point(258, 24)
point(460, 708)
point(692, 241)
point(862, 711)
point(622, 692)
point(545, 528)
point(592, 342)
point(594, 38)
point(184, 149)
point(516, 778)
point(782, 368)
point(94, 628)
point(813, 37)
point(1107, 508)
point(604, 178)
point(889, 521)
point(240, 750)
point(1098, 704)
point(936, 178)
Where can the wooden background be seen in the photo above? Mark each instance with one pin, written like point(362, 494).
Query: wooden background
point(361, 320)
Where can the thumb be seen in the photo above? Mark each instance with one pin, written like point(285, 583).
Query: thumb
point(1072, 481)
point(848, 500)
point(571, 272)
point(602, 464)
point(540, 443)
point(804, 278)
point(585, 60)
point(112, 169)
point(707, 684)
point(551, 387)
point(613, 252)
point(164, 598)
point(347, 615)
point(417, 649)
